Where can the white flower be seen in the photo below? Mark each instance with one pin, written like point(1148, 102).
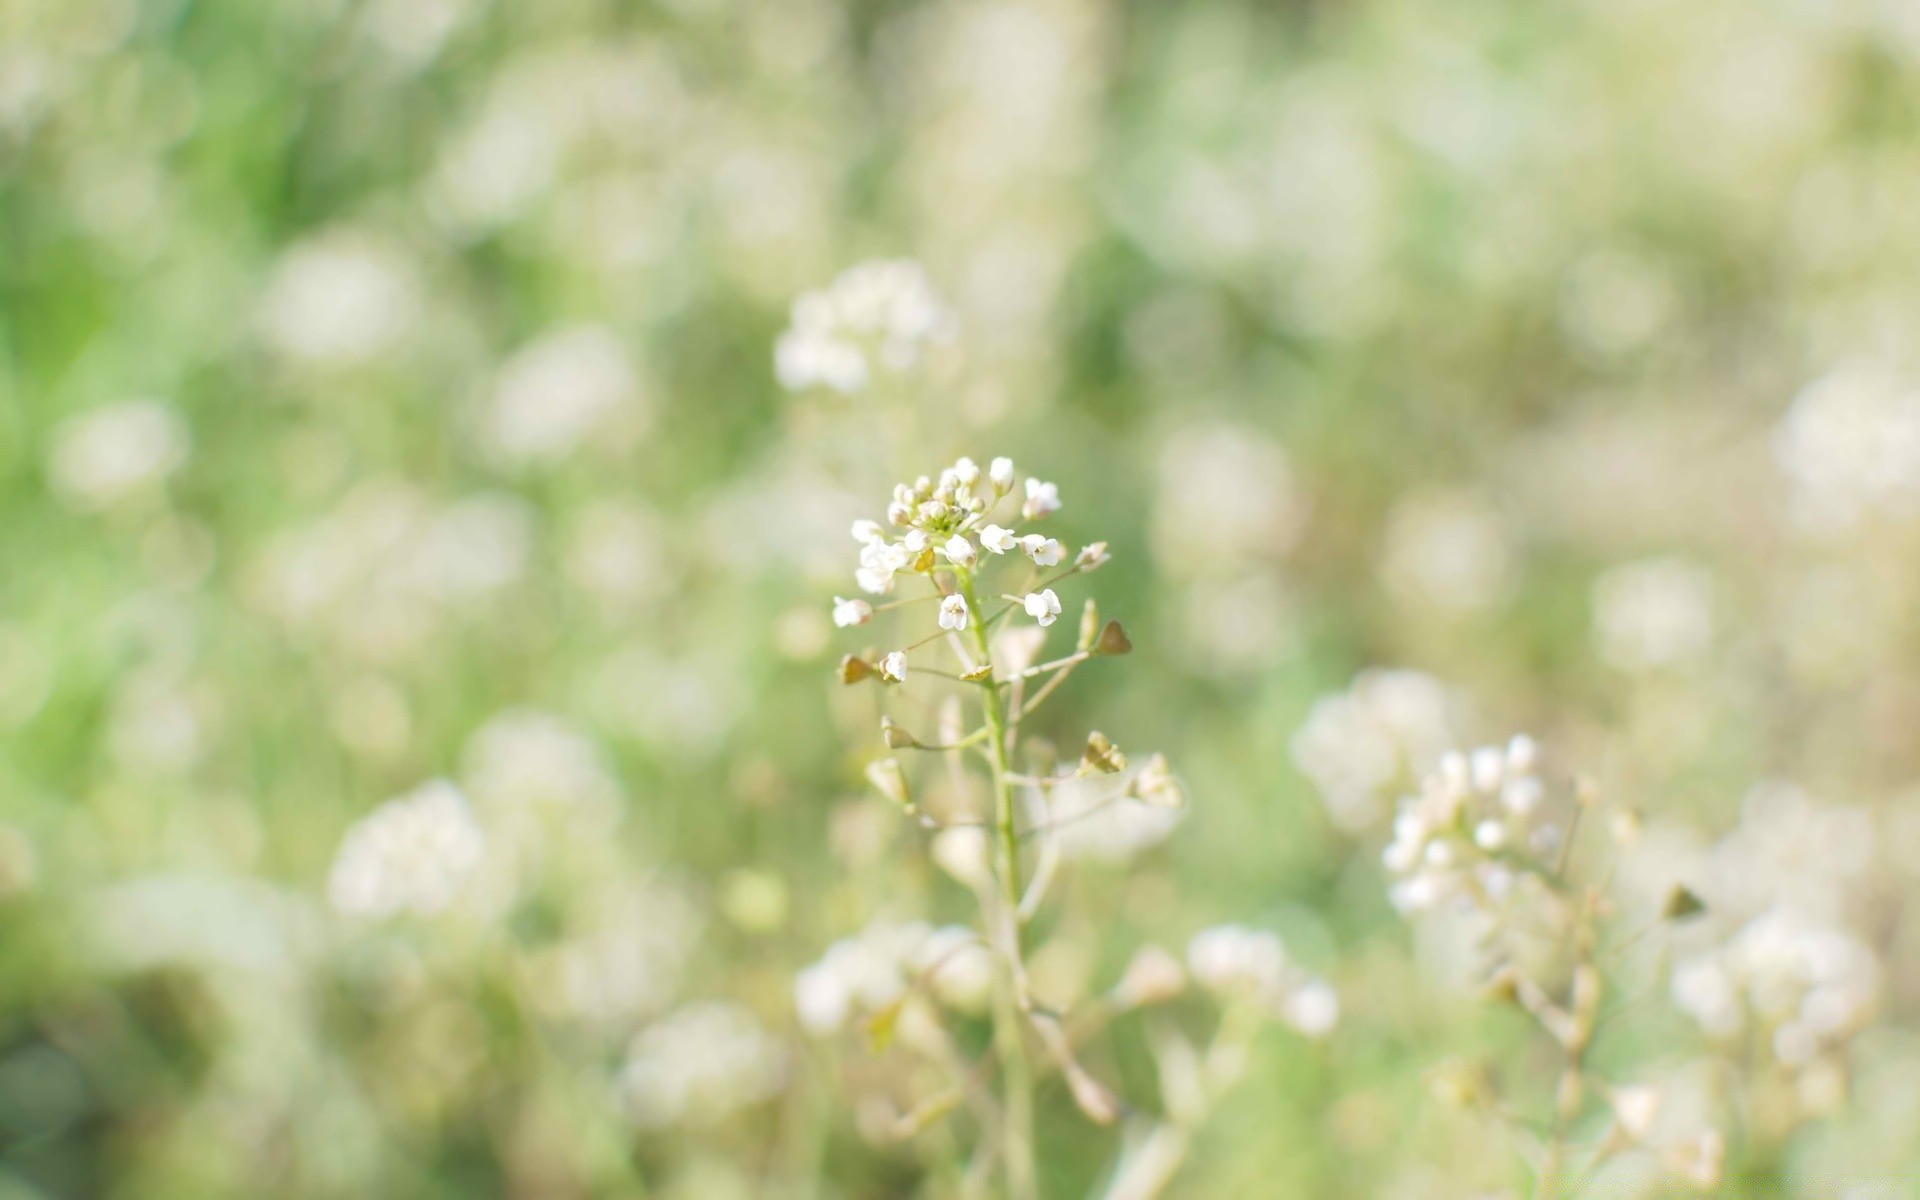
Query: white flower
point(867, 530)
point(1092, 557)
point(558, 393)
point(953, 613)
point(1043, 606)
point(1001, 473)
point(967, 471)
point(115, 451)
point(1042, 499)
point(893, 668)
point(878, 562)
point(877, 315)
point(998, 540)
point(851, 612)
point(960, 551)
point(412, 854)
point(699, 1065)
point(1044, 551)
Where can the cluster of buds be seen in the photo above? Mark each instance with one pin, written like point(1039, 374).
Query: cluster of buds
point(1474, 832)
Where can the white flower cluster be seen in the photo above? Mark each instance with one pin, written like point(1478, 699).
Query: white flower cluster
point(699, 1065)
point(1850, 448)
point(1472, 832)
point(1653, 614)
point(1807, 983)
point(948, 520)
point(883, 313)
point(412, 854)
point(876, 968)
point(115, 451)
point(1385, 730)
point(1233, 961)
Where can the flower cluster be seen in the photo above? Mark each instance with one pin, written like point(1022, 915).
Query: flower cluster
point(699, 1065)
point(412, 854)
point(1807, 984)
point(882, 313)
point(1473, 831)
point(1850, 448)
point(883, 964)
point(1238, 963)
point(949, 523)
point(1378, 735)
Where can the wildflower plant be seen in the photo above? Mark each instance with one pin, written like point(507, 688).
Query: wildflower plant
point(1487, 839)
point(963, 548)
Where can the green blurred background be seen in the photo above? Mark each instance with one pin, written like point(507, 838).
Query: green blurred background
point(387, 393)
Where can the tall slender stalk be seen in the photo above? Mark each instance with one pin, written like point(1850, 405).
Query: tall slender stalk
point(1009, 1039)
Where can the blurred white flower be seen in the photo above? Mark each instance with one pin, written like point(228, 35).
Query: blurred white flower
point(700, 1065)
point(1043, 606)
point(112, 452)
point(629, 963)
point(1850, 448)
point(1226, 494)
point(1809, 983)
point(1000, 473)
point(998, 540)
point(960, 551)
point(876, 315)
point(1383, 732)
point(413, 854)
point(339, 297)
point(851, 612)
point(1102, 818)
point(1653, 614)
point(893, 668)
point(1447, 550)
point(567, 387)
point(1251, 964)
point(866, 973)
point(526, 760)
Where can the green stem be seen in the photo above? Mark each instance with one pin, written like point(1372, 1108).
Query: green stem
point(1009, 1038)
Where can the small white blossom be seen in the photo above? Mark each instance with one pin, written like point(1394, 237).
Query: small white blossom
point(1042, 499)
point(966, 472)
point(1001, 473)
point(998, 540)
point(867, 530)
point(1043, 606)
point(960, 551)
point(1092, 557)
point(1044, 551)
point(893, 668)
point(953, 613)
point(851, 612)
point(878, 562)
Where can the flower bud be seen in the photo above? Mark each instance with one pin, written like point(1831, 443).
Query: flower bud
point(1101, 757)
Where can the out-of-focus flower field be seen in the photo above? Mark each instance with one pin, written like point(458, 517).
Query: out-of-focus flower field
point(429, 435)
